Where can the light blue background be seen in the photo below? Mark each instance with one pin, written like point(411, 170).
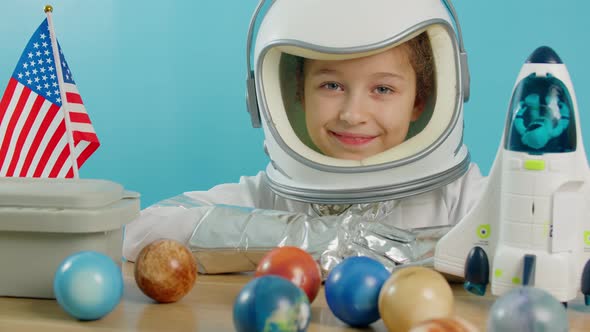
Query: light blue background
point(163, 81)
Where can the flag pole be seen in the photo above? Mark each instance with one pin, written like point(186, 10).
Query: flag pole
point(60, 80)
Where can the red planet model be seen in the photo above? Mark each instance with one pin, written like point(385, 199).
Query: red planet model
point(294, 264)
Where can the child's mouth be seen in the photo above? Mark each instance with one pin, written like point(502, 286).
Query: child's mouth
point(352, 139)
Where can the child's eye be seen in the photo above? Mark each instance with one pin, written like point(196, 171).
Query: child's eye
point(382, 90)
point(331, 86)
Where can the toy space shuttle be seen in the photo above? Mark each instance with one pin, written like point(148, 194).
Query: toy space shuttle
point(531, 226)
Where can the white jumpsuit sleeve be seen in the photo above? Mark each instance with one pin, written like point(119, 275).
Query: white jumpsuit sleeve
point(248, 193)
point(251, 191)
point(178, 217)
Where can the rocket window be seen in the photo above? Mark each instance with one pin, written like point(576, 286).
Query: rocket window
point(541, 118)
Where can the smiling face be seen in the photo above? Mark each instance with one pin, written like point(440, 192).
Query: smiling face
point(360, 107)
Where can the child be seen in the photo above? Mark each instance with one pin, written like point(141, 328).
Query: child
point(364, 133)
point(357, 108)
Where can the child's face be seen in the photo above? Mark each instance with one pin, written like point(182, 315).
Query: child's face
point(360, 107)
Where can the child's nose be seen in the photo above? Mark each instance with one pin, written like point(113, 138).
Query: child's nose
point(354, 110)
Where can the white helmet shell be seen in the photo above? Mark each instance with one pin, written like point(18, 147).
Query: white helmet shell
point(345, 29)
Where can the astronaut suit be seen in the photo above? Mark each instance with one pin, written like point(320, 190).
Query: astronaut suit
point(392, 205)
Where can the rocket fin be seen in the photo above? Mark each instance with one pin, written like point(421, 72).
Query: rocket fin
point(479, 227)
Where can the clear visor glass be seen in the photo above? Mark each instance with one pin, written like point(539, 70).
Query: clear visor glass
point(541, 119)
point(373, 108)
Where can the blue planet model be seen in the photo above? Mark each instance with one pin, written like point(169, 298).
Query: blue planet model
point(88, 285)
point(271, 303)
point(352, 290)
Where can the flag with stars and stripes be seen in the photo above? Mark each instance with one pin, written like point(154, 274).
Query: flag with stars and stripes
point(42, 117)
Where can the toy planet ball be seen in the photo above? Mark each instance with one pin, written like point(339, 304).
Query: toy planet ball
point(271, 303)
point(295, 265)
point(448, 324)
point(527, 309)
point(352, 290)
point(414, 294)
point(88, 285)
point(165, 270)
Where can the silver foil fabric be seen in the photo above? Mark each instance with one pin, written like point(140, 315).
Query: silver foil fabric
point(233, 239)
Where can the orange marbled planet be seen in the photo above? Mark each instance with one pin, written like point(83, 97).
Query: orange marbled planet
point(165, 270)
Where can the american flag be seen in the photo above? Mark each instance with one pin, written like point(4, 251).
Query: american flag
point(35, 135)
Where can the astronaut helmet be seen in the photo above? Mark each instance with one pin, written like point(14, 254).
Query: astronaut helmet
point(359, 102)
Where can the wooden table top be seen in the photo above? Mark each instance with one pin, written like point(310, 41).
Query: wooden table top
point(208, 307)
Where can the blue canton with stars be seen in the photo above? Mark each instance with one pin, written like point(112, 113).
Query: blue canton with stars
point(36, 67)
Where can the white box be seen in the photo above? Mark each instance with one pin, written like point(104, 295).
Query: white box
point(42, 221)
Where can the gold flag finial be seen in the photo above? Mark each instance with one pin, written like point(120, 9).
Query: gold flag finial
point(48, 8)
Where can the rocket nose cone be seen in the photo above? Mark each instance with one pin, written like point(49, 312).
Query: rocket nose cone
point(544, 54)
